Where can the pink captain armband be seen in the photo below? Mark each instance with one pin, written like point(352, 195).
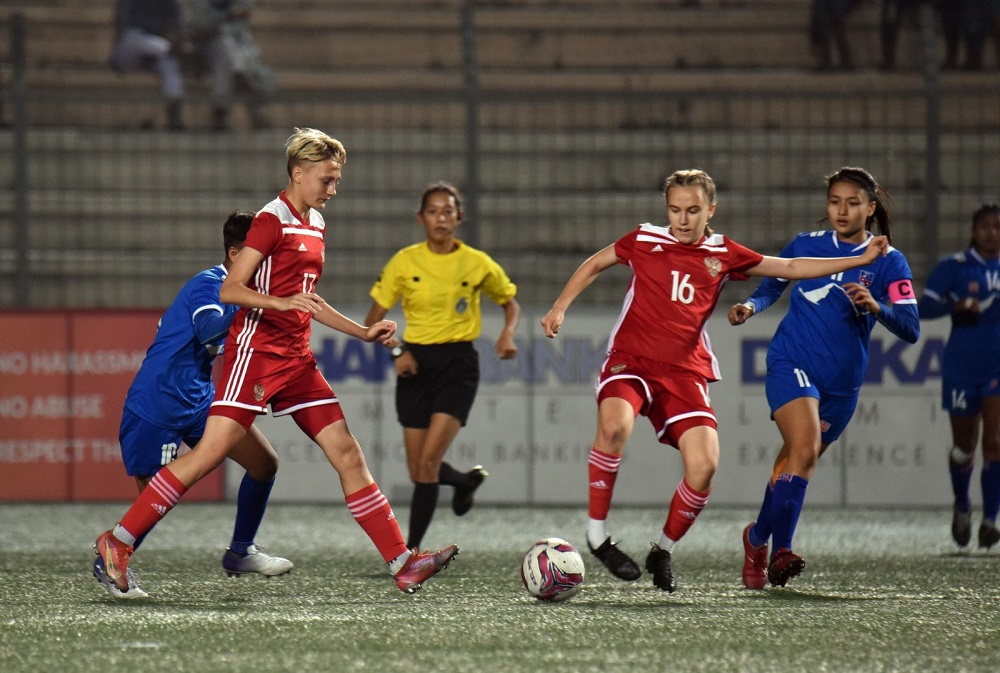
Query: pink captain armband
point(901, 290)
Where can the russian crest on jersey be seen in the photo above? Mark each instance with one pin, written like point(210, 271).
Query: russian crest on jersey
point(552, 570)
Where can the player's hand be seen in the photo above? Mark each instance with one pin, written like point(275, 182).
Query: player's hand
point(739, 313)
point(304, 301)
point(969, 305)
point(877, 246)
point(381, 331)
point(506, 348)
point(862, 298)
point(552, 321)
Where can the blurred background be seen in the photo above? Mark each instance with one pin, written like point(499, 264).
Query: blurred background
point(558, 119)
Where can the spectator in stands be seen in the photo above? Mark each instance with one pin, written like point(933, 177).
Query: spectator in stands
point(224, 41)
point(982, 21)
point(827, 30)
point(148, 35)
point(954, 26)
point(953, 17)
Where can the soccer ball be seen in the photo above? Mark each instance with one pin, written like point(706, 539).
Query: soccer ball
point(552, 570)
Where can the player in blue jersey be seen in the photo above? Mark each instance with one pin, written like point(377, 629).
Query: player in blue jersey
point(168, 402)
point(817, 358)
point(966, 286)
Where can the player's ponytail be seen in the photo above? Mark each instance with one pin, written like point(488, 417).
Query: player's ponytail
point(882, 216)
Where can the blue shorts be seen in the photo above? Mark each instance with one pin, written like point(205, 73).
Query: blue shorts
point(961, 397)
point(786, 382)
point(147, 447)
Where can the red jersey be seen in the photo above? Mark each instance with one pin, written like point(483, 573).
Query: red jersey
point(294, 249)
point(673, 291)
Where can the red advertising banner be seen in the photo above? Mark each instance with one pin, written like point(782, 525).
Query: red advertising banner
point(63, 379)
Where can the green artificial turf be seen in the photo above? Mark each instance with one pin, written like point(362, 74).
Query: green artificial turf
point(883, 591)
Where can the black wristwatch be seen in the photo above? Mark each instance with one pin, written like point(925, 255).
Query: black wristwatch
point(396, 351)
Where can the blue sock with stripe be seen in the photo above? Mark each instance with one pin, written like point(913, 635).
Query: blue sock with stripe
point(786, 505)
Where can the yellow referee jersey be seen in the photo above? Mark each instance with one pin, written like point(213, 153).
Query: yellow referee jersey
point(441, 293)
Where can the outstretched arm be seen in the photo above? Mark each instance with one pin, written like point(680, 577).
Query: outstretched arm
point(381, 330)
point(766, 294)
point(577, 283)
point(798, 268)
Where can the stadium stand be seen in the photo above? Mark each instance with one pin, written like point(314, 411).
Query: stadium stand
point(523, 45)
point(723, 84)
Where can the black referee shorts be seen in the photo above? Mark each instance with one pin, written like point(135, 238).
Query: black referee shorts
point(446, 382)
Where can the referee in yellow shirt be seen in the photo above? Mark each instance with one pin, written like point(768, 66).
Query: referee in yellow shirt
point(440, 282)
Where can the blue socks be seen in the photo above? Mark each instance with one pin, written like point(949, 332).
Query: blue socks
point(250, 505)
point(761, 531)
point(786, 505)
point(990, 481)
point(961, 477)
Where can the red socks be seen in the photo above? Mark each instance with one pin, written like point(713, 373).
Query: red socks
point(685, 507)
point(372, 512)
point(602, 468)
point(158, 498)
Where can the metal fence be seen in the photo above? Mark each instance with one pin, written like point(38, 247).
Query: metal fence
point(121, 218)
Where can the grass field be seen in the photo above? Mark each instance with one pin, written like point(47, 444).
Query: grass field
point(883, 591)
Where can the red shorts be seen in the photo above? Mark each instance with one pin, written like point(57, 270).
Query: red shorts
point(672, 399)
point(291, 385)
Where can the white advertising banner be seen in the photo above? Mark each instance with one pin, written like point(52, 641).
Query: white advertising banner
point(534, 420)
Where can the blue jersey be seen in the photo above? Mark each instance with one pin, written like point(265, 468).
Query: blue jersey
point(823, 331)
point(972, 353)
point(173, 388)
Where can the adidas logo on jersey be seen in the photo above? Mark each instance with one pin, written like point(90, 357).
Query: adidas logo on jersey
point(302, 247)
point(657, 248)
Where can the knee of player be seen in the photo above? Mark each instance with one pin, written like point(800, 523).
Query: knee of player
point(991, 448)
point(345, 454)
point(426, 471)
point(612, 436)
point(268, 469)
point(804, 454)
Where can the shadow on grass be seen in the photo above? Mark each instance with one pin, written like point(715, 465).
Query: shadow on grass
point(977, 556)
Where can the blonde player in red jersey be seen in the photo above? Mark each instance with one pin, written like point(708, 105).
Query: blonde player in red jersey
point(268, 361)
point(660, 361)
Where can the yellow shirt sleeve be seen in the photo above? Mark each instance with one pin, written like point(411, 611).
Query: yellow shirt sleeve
point(496, 284)
point(388, 288)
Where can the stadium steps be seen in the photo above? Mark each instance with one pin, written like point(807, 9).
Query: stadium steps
point(415, 46)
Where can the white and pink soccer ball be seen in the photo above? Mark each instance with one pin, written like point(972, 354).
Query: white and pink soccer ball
point(552, 570)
